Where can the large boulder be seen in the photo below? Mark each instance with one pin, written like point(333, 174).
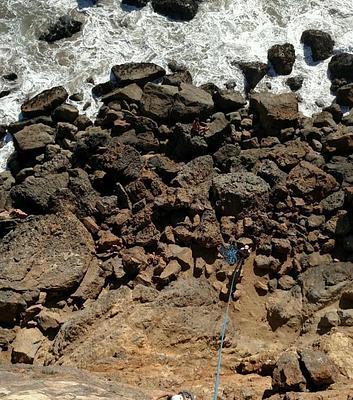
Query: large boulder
point(177, 9)
point(131, 93)
point(191, 102)
point(253, 73)
point(239, 191)
point(287, 374)
point(228, 100)
point(341, 66)
point(345, 95)
point(44, 102)
point(65, 27)
point(158, 100)
point(282, 58)
point(36, 194)
point(275, 111)
point(310, 182)
point(26, 345)
point(32, 140)
point(50, 253)
point(139, 73)
point(320, 42)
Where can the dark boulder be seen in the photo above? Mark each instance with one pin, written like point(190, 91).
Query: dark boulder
point(45, 102)
point(135, 3)
point(177, 9)
point(228, 100)
point(10, 77)
point(65, 27)
point(253, 72)
point(32, 140)
point(287, 374)
point(139, 73)
point(341, 66)
point(345, 95)
point(157, 101)
point(320, 42)
point(177, 78)
point(282, 58)
point(295, 83)
point(65, 113)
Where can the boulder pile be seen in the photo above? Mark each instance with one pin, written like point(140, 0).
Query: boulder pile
point(144, 195)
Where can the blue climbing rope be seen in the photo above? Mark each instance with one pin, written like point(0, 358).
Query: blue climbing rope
point(233, 259)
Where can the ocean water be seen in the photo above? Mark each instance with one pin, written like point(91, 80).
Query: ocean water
point(222, 32)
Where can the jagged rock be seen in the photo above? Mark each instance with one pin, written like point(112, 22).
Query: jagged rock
point(37, 193)
point(7, 336)
point(226, 156)
point(269, 171)
point(158, 100)
point(166, 168)
point(341, 66)
point(170, 273)
point(295, 82)
point(131, 93)
point(26, 345)
point(345, 317)
point(311, 182)
point(139, 73)
point(235, 192)
point(195, 172)
point(177, 9)
point(345, 95)
point(32, 140)
point(11, 305)
point(49, 320)
point(275, 112)
point(44, 102)
point(324, 119)
point(282, 58)
point(264, 262)
point(50, 253)
point(65, 113)
point(287, 374)
point(177, 78)
point(182, 254)
point(208, 232)
point(333, 202)
point(65, 27)
point(253, 72)
point(329, 320)
point(320, 42)
point(191, 102)
point(228, 100)
point(103, 88)
point(322, 372)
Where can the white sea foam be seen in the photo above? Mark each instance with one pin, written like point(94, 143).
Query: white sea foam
point(223, 31)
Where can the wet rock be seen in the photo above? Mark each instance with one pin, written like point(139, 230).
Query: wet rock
point(320, 42)
point(228, 100)
point(65, 113)
point(287, 374)
point(26, 345)
point(192, 102)
point(345, 95)
point(235, 192)
point(310, 182)
point(177, 9)
point(322, 372)
point(295, 82)
point(282, 58)
point(103, 88)
point(49, 253)
point(12, 76)
point(253, 72)
point(269, 171)
point(32, 140)
point(11, 305)
point(139, 73)
point(158, 101)
point(65, 27)
point(36, 193)
point(45, 102)
point(341, 66)
point(275, 112)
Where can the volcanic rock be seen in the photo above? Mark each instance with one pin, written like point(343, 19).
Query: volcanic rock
point(295, 82)
point(44, 102)
point(65, 113)
point(177, 9)
point(158, 100)
point(65, 27)
point(341, 66)
point(320, 42)
point(235, 192)
point(139, 73)
point(287, 374)
point(26, 345)
point(282, 58)
point(32, 140)
point(228, 100)
point(253, 72)
point(345, 95)
point(275, 112)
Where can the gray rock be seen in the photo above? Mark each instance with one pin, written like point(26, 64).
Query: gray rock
point(32, 140)
point(158, 101)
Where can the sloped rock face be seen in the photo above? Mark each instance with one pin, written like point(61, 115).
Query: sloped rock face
point(44, 102)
